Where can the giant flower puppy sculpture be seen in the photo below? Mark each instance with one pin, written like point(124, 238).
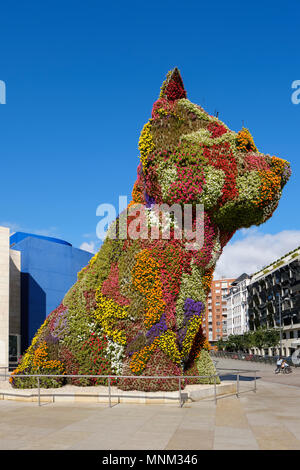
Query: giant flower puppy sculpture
point(137, 308)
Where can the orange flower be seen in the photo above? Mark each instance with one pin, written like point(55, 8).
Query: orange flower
point(146, 280)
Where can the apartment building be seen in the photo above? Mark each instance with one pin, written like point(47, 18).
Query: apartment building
point(274, 300)
point(237, 306)
point(215, 321)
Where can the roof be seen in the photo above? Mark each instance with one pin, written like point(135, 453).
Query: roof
point(241, 278)
point(19, 236)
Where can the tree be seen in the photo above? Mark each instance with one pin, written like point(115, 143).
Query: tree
point(265, 338)
point(248, 339)
point(259, 338)
point(221, 345)
point(235, 343)
point(272, 338)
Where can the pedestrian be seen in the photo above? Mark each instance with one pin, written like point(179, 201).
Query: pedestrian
point(278, 364)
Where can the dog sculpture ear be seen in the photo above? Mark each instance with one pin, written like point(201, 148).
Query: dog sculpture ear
point(173, 89)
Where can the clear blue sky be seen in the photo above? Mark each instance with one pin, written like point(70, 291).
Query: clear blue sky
point(81, 79)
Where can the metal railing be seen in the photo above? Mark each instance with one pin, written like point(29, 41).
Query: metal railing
point(6, 375)
point(10, 367)
point(248, 357)
point(181, 396)
point(238, 373)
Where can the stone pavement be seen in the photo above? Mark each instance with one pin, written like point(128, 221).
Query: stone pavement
point(267, 419)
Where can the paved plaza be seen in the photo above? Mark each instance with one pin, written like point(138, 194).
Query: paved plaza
point(265, 371)
point(267, 419)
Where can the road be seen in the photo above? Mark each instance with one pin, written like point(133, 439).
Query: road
point(265, 372)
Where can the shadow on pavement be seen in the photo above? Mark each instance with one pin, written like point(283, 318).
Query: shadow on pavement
point(232, 377)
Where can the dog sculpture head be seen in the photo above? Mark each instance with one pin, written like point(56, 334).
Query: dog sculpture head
point(188, 156)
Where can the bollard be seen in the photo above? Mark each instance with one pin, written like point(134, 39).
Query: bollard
point(237, 384)
point(180, 401)
point(39, 395)
point(215, 388)
point(109, 394)
point(255, 383)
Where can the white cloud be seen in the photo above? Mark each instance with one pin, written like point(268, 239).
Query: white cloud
point(88, 246)
point(254, 251)
point(15, 227)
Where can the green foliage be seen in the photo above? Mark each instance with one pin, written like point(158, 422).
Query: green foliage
point(45, 382)
point(260, 338)
point(190, 288)
point(205, 366)
point(231, 216)
point(221, 344)
point(266, 338)
point(235, 343)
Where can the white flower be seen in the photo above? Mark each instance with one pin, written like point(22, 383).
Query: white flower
point(115, 352)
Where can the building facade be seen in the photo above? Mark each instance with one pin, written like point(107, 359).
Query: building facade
point(237, 306)
point(215, 321)
point(10, 298)
point(49, 267)
point(35, 274)
point(274, 301)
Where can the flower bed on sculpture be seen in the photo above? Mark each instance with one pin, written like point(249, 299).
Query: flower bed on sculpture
point(138, 307)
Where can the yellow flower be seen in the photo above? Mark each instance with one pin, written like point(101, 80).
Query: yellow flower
point(146, 144)
point(107, 314)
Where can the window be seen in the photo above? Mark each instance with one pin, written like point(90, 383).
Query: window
point(14, 347)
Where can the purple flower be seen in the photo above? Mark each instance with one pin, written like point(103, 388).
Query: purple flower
point(150, 201)
point(286, 174)
point(157, 329)
point(191, 309)
point(51, 339)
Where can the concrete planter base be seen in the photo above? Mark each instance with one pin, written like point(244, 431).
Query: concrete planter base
point(99, 394)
